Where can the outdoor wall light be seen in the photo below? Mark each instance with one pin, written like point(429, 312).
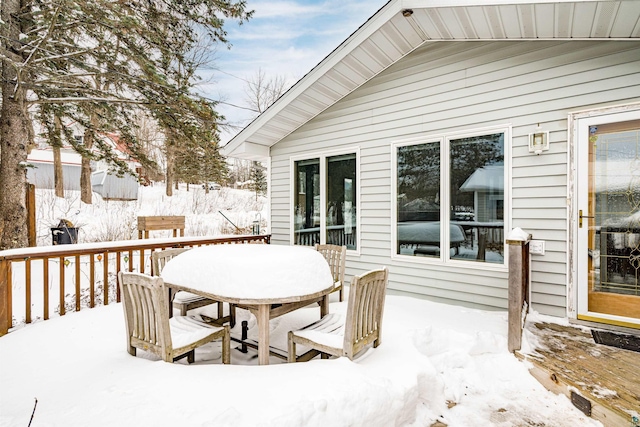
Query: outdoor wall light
point(407, 12)
point(538, 141)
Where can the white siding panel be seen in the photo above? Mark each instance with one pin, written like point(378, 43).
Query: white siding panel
point(626, 22)
point(544, 20)
point(446, 87)
point(583, 19)
point(479, 23)
point(510, 21)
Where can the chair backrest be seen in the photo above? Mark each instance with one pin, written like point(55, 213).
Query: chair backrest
point(160, 258)
point(364, 311)
point(146, 313)
point(336, 257)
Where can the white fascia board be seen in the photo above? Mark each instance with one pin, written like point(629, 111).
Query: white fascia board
point(246, 150)
point(353, 41)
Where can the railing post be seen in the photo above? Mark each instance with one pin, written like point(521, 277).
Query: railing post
point(31, 214)
point(518, 289)
point(5, 297)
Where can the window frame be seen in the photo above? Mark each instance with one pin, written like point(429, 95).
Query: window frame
point(322, 157)
point(445, 139)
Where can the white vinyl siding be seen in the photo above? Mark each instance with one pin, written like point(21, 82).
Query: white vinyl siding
point(446, 87)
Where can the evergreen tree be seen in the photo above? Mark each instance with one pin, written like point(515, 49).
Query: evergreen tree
point(99, 62)
point(258, 179)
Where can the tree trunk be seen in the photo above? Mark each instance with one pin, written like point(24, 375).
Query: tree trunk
point(14, 140)
point(85, 171)
point(169, 175)
point(58, 177)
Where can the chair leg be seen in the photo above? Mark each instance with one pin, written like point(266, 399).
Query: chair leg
point(232, 315)
point(220, 310)
point(292, 349)
point(226, 346)
point(341, 294)
point(191, 356)
point(132, 350)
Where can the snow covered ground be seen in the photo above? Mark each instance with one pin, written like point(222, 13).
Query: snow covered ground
point(436, 363)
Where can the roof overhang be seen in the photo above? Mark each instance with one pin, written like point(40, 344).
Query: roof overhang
point(401, 26)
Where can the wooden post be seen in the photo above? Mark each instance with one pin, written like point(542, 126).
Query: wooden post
point(31, 214)
point(5, 297)
point(518, 290)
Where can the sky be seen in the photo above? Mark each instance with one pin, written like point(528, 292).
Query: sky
point(285, 39)
point(436, 362)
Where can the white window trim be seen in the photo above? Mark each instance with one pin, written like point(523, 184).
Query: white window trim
point(444, 139)
point(322, 156)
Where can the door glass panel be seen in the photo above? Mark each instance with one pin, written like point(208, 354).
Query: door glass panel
point(614, 204)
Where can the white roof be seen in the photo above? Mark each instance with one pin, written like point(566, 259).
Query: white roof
point(46, 156)
point(389, 35)
point(487, 178)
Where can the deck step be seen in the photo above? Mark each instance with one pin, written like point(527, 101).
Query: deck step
point(602, 381)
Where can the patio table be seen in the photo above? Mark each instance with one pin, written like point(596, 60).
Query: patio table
point(268, 280)
point(427, 233)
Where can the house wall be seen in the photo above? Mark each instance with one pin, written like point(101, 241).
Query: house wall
point(446, 87)
point(41, 174)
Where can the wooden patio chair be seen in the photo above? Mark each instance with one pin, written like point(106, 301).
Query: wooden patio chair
point(182, 301)
point(149, 327)
point(336, 256)
point(339, 335)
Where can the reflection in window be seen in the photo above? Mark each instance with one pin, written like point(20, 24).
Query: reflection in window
point(341, 200)
point(419, 199)
point(477, 198)
point(307, 202)
point(338, 180)
point(474, 204)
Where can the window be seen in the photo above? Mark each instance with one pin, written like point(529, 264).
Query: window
point(325, 201)
point(450, 194)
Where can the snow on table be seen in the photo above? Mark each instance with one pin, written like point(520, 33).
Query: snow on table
point(251, 272)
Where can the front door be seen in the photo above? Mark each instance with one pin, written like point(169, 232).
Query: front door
point(609, 218)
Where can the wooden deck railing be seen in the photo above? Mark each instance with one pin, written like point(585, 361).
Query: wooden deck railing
point(335, 235)
point(80, 275)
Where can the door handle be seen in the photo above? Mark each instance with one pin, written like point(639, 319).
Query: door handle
point(582, 216)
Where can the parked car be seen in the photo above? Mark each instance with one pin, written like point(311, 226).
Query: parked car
point(212, 185)
point(464, 216)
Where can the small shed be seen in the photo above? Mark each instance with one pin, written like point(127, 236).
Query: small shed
point(113, 187)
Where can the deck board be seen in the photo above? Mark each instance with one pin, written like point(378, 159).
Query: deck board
point(566, 359)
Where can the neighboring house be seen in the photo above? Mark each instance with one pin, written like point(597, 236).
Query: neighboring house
point(40, 172)
point(491, 113)
point(108, 185)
